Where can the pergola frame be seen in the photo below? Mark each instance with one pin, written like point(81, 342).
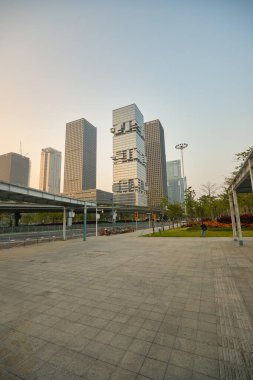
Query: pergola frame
point(242, 183)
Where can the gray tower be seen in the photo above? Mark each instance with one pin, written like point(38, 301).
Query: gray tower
point(156, 162)
point(15, 168)
point(80, 156)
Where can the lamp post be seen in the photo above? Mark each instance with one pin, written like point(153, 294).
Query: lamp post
point(182, 146)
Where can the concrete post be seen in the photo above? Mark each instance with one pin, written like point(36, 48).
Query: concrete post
point(64, 223)
point(232, 213)
point(96, 222)
point(251, 174)
point(84, 222)
point(237, 216)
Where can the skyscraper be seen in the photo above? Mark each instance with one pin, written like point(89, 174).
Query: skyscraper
point(156, 162)
point(15, 168)
point(175, 181)
point(80, 156)
point(129, 161)
point(50, 170)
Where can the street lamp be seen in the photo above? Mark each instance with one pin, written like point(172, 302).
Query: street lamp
point(182, 147)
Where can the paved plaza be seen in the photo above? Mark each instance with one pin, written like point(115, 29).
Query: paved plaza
point(127, 307)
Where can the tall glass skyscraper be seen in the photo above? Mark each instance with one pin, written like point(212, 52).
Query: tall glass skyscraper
point(156, 162)
point(50, 170)
point(175, 181)
point(80, 156)
point(129, 161)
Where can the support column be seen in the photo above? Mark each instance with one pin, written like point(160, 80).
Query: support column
point(64, 223)
point(251, 174)
point(237, 216)
point(232, 213)
point(84, 222)
point(96, 221)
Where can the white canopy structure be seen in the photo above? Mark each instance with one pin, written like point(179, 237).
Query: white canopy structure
point(242, 183)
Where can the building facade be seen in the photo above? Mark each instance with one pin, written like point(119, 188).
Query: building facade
point(129, 161)
point(156, 162)
point(80, 156)
point(94, 195)
point(15, 168)
point(175, 181)
point(50, 170)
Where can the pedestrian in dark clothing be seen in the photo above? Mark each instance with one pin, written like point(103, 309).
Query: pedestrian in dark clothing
point(203, 229)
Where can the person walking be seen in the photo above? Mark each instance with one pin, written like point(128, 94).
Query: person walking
point(203, 229)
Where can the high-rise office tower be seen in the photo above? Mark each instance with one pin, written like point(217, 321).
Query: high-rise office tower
point(80, 156)
point(156, 162)
point(15, 168)
point(175, 181)
point(129, 161)
point(50, 170)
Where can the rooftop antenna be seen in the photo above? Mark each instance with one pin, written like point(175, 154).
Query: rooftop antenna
point(20, 147)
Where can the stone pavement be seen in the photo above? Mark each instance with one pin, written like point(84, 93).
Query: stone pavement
point(127, 307)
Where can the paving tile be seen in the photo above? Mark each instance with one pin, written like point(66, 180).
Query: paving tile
point(94, 349)
point(100, 371)
point(121, 341)
point(206, 337)
point(207, 350)
point(123, 374)
point(105, 336)
point(189, 322)
point(47, 350)
point(80, 364)
point(185, 344)
point(45, 372)
point(206, 326)
point(207, 366)
point(114, 326)
point(132, 361)
point(165, 339)
point(140, 346)
point(182, 359)
point(145, 334)
point(159, 352)
point(112, 355)
point(129, 330)
point(151, 325)
point(154, 369)
point(177, 373)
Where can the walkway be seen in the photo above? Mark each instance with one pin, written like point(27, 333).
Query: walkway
point(127, 307)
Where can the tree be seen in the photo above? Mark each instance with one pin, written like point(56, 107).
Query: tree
point(175, 211)
point(190, 202)
point(209, 189)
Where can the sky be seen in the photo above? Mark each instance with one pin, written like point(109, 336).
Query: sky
point(188, 63)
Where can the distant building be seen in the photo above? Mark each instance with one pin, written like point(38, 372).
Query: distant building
point(156, 162)
point(50, 170)
point(175, 181)
point(15, 168)
point(129, 161)
point(94, 195)
point(80, 156)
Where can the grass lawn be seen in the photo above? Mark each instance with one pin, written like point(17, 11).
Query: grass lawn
point(195, 232)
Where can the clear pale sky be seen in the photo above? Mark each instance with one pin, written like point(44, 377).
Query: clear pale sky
point(188, 63)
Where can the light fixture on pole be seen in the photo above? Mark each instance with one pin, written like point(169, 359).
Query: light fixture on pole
point(182, 147)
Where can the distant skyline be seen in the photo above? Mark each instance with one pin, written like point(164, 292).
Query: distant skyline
point(188, 63)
